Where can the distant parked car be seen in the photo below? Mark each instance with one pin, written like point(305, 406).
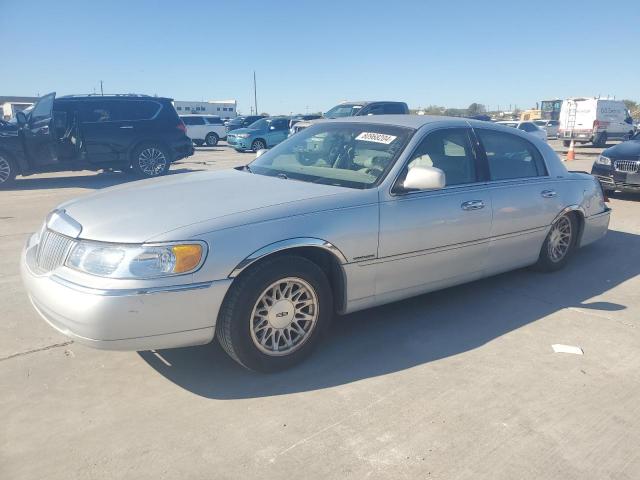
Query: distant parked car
point(528, 127)
point(242, 122)
point(205, 129)
point(356, 109)
point(618, 168)
point(550, 126)
point(265, 133)
point(132, 133)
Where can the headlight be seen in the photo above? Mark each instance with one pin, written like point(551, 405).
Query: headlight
point(136, 261)
point(602, 160)
point(243, 135)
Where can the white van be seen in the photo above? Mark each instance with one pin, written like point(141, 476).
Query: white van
point(595, 120)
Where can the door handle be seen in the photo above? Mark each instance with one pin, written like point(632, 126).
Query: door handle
point(548, 193)
point(127, 126)
point(472, 205)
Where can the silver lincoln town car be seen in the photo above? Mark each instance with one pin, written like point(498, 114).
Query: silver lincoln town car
point(345, 215)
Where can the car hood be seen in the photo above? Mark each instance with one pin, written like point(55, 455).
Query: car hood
point(203, 201)
point(250, 131)
point(628, 149)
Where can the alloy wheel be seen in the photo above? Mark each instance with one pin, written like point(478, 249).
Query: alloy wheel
point(152, 161)
point(5, 170)
point(559, 239)
point(284, 316)
point(258, 145)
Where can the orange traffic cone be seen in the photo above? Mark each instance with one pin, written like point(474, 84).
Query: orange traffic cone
point(571, 154)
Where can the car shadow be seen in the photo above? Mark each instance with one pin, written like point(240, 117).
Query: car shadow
point(423, 329)
point(97, 181)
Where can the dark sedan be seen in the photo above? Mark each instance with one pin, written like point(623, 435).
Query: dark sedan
point(618, 168)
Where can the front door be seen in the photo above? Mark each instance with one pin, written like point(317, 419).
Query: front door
point(525, 199)
point(430, 239)
point(277, 131)
point(39, 133)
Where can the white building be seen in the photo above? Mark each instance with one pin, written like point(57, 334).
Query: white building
point(10, 105)
point(221, 108)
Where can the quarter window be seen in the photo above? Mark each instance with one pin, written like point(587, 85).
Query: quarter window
point(510, 156)
point(449, 150)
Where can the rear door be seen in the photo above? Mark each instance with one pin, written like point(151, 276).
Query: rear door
point(525, 199)
point(435, 237)
point(39, 133)
point(195, 127)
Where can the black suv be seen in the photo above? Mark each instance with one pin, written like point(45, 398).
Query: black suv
point(242, 122)
point(132, 133)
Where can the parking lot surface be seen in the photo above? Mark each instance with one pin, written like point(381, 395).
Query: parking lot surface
point(457, 384)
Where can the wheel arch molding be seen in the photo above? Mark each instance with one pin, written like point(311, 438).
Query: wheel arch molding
point(323, 253)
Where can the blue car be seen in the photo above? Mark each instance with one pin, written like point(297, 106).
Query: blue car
point(265, 133)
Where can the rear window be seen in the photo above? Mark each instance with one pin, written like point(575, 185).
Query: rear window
point(188, 120)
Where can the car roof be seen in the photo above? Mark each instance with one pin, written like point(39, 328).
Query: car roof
point(411, 121)
point(128, 96)
point(368, 102)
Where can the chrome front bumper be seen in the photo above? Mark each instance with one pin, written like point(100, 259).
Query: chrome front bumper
point(126, 319)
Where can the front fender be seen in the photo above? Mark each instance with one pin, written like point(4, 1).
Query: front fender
point(286, 245)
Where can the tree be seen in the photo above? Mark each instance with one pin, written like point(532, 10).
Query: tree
point(476, 109)
point(631, 105)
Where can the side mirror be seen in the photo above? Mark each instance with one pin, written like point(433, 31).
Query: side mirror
point(21, 118)
point(424, 178)
point(261, 152)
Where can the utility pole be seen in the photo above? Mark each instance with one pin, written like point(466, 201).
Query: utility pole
point(101, 90)
point(255, 95)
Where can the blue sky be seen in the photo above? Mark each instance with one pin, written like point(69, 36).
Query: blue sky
point(316, 53)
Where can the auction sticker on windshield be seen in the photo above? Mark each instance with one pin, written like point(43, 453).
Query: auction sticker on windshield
point(376, 137)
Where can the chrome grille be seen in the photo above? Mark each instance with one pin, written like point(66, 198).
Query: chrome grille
point(52, 250)
point(628, 166)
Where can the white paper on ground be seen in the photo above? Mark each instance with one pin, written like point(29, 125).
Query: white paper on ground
point(559, 348)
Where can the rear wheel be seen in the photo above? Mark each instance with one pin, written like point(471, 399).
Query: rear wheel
point(559, 244)
point(600, 140)
point(566, 143)
point(212, 139)
point(198, 143)
point(7, 170)
point(275, 314)
point(150, 160)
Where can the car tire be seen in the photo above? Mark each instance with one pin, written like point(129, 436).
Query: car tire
point(566, 143)
point(258, 144)
point(198, 143)
point(150, 160)
point(8, 170)
point(601, 140)
point(211, 139)
point(559, 244)
point(255, 333)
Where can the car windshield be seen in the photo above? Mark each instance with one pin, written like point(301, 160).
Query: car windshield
point(344, 110)
point(261, 124)
point(540, 123)
point(353, 155)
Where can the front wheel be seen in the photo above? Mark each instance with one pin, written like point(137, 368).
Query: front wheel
point(275, 314)
point(559, 244)
point(211, 139)
point(7, 171)
point(258, 145)
point(150, 160)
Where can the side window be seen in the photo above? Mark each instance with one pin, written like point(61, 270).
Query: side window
point(393, 109)
point(139, 110)
point(376, 110)
point(214, 120)
point(186, 120)
point(449, 150)
point(510, 156)
point(280, 124)
point(528, 127)
point(193, 120)
point(94, 111)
